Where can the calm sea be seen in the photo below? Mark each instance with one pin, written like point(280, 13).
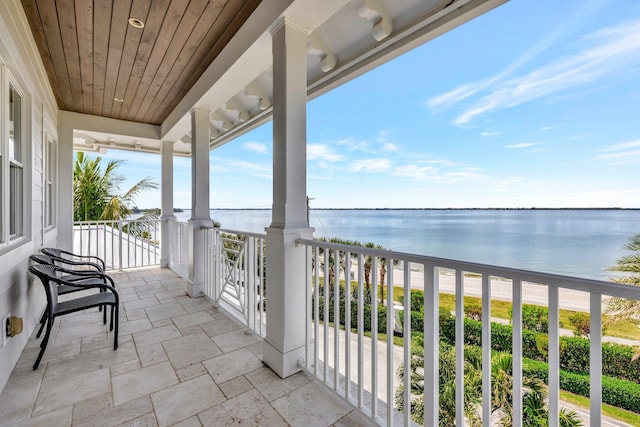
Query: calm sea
point(579, 243)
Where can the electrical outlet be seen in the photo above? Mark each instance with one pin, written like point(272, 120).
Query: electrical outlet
point(5, 324)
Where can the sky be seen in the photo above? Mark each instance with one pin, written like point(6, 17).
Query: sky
point(534, 104)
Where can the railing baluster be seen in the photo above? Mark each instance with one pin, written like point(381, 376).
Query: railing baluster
point(406, 336)
point(595, 360)
point(316, 309)
point(347, 325)
point(486, 350)
point(325, 320)
point(374, 337)
point(459, 348)
point(360, 330)
point(517, 352)
point(336, 319)
point(308, 279)
point(390, 329)
point(431, 345)
point(554, 357)
point(120, 245)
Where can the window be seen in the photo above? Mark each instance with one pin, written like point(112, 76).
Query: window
point(49, 176)
point(12, 159)
point(15, 163)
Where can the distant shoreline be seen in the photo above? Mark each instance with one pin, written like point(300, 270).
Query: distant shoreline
point(434, 209)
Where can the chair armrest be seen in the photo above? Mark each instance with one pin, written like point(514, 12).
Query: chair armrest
point(107, 281)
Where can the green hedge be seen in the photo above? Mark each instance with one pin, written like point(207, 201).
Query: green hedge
point(382, 314)
point(617, 360)
point(616, 392)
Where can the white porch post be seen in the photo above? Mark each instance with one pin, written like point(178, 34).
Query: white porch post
point(167, 217)
point(284, 343)
point(200, 215)
point(65, 185)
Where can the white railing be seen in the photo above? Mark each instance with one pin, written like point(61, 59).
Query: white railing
point(363, 369)
point(121, 244)
point(234, 275)
point(180, 243)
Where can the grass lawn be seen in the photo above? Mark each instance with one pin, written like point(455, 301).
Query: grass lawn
point(608, 410)
point(502, 309)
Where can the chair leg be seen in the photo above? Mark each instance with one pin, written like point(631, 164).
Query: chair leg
point(104, 315)
point(43, 320)
point(111, 323)
point(115, 333)
point(43, 344)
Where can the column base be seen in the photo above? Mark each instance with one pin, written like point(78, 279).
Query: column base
point(194, 290)
point(283, 364)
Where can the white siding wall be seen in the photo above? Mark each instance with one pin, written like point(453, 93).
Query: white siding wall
point(19, 294)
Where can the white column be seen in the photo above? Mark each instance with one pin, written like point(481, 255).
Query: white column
point(284, 343)
point(200, 215)
point(166, 188)
point(65, 185)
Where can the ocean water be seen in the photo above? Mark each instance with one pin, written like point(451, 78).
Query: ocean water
point(580, 243)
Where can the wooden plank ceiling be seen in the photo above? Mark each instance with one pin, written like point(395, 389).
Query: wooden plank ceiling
point(94, 58)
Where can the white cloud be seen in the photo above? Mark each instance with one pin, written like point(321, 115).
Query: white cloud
point(465, 91)
point(353, 144)
point(322, 152)
point(490, 133)
point(622, 153)
point(389, 146)
point(371, 165)
point(623, 146)
point(385, 140)
point(438, 171)
point(257, 147)
point(521, 145)
point(609, 51)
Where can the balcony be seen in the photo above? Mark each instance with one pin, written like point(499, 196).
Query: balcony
point(214, 343)
point(180, 361)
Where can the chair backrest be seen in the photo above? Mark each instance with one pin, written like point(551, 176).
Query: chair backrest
point(47, 275)
point(42, 259)
point(52, 252)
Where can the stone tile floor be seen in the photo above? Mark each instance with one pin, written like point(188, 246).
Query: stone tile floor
point(180, 362)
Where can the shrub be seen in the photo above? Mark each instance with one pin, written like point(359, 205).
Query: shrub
point(417, 300)
point(473, 311)
point(534, 317)
point(616, 392)
point(580, 321)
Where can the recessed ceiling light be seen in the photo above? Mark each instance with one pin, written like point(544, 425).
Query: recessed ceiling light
point(118, 99)
point(135, 22)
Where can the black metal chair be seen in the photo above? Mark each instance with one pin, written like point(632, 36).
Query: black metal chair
point(65, 289)
point(73, 259)
point(51, 278)
point(70, 265)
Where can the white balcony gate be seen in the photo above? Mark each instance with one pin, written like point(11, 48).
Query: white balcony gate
point(234, 275)
point(121, 244)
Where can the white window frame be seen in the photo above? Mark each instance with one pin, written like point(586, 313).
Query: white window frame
point(13, 226)
point(50, 153)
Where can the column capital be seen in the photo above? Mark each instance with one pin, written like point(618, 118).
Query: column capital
point(283, 21)
point(199, 111)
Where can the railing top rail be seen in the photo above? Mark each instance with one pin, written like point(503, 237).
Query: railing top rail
point(549, 279)
point(114, 221)
point(242, 233)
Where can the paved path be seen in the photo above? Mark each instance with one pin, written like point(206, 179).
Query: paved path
point(501, 290)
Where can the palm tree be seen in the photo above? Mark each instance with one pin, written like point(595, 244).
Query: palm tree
point(96, 190)
point(447, 410)
point(621, 309)
point(535, 411)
